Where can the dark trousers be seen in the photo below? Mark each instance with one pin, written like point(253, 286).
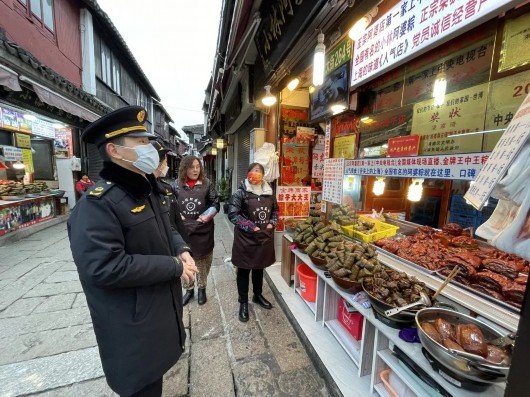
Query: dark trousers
point(243, 280)
point(152, 390)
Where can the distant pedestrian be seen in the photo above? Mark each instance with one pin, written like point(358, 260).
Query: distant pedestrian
point(83, 184)
point(129, 267)
point(254, 211)
point(197, 203)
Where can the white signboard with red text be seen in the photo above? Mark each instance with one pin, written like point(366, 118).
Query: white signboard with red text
point(333, 178)
point(412, 27)
point(447, 166)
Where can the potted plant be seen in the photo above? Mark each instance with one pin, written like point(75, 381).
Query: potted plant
point(224, 192)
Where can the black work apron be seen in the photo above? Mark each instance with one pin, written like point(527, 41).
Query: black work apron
point(255, 250)
point(192, 203)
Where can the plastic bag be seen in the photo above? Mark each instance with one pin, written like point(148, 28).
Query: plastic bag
point(267, 156)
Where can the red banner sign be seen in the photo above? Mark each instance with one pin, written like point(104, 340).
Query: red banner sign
point(404, 146)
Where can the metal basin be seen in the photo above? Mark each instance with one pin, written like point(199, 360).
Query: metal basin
point(478, 370)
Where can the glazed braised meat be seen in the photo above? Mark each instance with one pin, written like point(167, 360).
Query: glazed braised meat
point(521, 280)
point(492, 281)
point(470, 337)
point(431, 331)
point(496, 355)
point(506, 268)
point(450, 344)
point(514, 292)
point(453, 229)
point(462, 279)
point(494, 294)
point(444, 328)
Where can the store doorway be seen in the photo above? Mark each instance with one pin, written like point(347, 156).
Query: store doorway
point(43, 159)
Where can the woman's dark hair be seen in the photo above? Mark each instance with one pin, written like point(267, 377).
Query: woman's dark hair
point(256, 164)
point(186, 163)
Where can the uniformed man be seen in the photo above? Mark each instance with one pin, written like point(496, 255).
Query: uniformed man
point(128, 258)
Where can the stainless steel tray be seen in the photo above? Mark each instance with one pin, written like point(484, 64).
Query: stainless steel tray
point(12, 198)
point(481, 294)
point(403, 260)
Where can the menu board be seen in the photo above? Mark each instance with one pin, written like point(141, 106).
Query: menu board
point(502, 156)
point(332, 184)
point(43, 128)
point(293, 202)
point(12, 153)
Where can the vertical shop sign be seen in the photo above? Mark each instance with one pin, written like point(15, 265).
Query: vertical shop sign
point(327, 142)
point(504, 98)
point(293, 203)
point(28, 161)
point(345, 146)
point(295, 168)
point(404, 146)
point(317, 164)
point(462, 112)
point(332, 183)
point(411, 27)
point(502, 156)
point(9, 119)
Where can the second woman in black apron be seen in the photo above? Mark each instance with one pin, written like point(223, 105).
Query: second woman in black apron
point(197, 203)
point(254, 211)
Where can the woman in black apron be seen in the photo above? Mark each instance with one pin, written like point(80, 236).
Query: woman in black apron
point(254, 211)
point(197, 203)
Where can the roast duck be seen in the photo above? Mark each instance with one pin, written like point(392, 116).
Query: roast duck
point(464, 337)
point(485, 269)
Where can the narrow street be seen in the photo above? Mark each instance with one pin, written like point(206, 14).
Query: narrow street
point(49, 348)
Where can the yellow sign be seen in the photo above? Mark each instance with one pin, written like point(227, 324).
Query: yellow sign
point(344, 147)
point(23, 141)
point(504, 98)
point(28, 160)
point(515, 50)
point(462, 112)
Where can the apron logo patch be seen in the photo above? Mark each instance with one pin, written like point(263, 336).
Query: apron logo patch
point(138, 209)
point(262, 214)
point(190, 205)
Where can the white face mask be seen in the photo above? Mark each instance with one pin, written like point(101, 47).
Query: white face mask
point(147, 158)
point(164, 171)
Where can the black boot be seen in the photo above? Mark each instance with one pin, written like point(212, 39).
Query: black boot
point(187, 296)
point(201, 296)
point(260, 300)
point(243, 312)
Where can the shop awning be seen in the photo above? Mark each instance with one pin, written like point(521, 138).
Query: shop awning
point(9, 79)
point(60, 102)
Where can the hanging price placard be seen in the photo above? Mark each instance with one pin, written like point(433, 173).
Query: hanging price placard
point(332, 183)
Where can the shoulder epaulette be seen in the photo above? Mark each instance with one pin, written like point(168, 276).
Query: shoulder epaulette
point(99, 189)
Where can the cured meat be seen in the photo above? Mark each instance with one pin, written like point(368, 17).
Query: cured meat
point(444, 328)
point(492, 281)
point(495, 294)
point(466, 268)
point(496, 355)
point(430, 330)
point(503, 267)
point(470, 337)
point(521, 280)
point(454, 229)
point(450, 344)
point(445, 271)
point(514, 292)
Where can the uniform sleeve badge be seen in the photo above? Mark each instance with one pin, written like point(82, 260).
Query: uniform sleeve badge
point(138, 209)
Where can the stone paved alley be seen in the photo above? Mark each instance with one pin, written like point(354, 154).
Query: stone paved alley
point(48, 347)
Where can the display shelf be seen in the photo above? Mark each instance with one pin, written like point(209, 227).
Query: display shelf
point(410, 380)
point(351, 346)
point(499, 315)
point(311, 305)
point(381, 390)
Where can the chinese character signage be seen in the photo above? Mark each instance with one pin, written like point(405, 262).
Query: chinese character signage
point(317, 163)
point(28, 161)
point(293, 202)
point(12, 153)
point(462, 112)
point(9, 119)
point(43, 128)
point(338, 55)
point(327, 142)
point(23, 141)
point(345, 146)
point(383, 126)
point(332, 183)
point(404, 146)
point(515, 43)
point(23, 124)
point(504, 98)
point(295, 168)
point(292, 118)
point(414, 26)
point(450, 166)
point(502, 156)
point(63, 143)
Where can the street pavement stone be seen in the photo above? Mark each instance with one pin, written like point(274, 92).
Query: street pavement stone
point(210, 369)
point(51, 348)
point(22, 307)
point(46, 343)
point(55, 303)
point(50, 372)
